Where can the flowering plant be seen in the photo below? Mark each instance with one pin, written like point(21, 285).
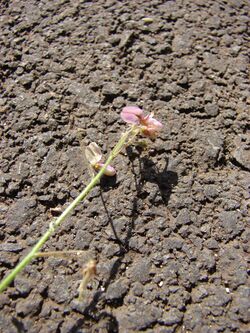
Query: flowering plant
point(141, 123)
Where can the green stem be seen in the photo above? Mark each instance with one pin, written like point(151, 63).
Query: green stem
point(56, 223)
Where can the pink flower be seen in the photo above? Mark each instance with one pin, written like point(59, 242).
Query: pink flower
point(148, 124)
point(94, 157)
point(151, 127)
point(131, 114)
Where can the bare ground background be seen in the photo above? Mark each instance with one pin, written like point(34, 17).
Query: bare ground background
point(177, 261)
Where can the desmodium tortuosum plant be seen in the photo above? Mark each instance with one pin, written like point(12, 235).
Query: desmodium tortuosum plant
point(146, 125)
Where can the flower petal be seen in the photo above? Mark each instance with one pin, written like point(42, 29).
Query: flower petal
point(109, 171)
point(131, 114)
point(133, 109)
point(150, 126)
point(151, 122)
point(130, 118)
point(93, 153)
point(156, 124)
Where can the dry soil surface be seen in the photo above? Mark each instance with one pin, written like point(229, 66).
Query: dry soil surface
point(169, 233)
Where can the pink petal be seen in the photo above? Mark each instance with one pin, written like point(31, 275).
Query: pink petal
point(152, 123)
point(131, 114)
point(133, 109)
point(155, 123)
point(130, 118)
point(151, 126)
point(109, 171)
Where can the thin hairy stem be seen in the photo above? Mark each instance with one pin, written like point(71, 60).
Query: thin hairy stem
point(58, 221)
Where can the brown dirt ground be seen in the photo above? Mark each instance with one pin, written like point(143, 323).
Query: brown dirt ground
point(170, 232)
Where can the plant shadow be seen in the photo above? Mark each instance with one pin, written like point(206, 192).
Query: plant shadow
point(165, 180)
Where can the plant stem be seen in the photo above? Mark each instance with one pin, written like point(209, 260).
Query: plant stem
point(56, 223)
